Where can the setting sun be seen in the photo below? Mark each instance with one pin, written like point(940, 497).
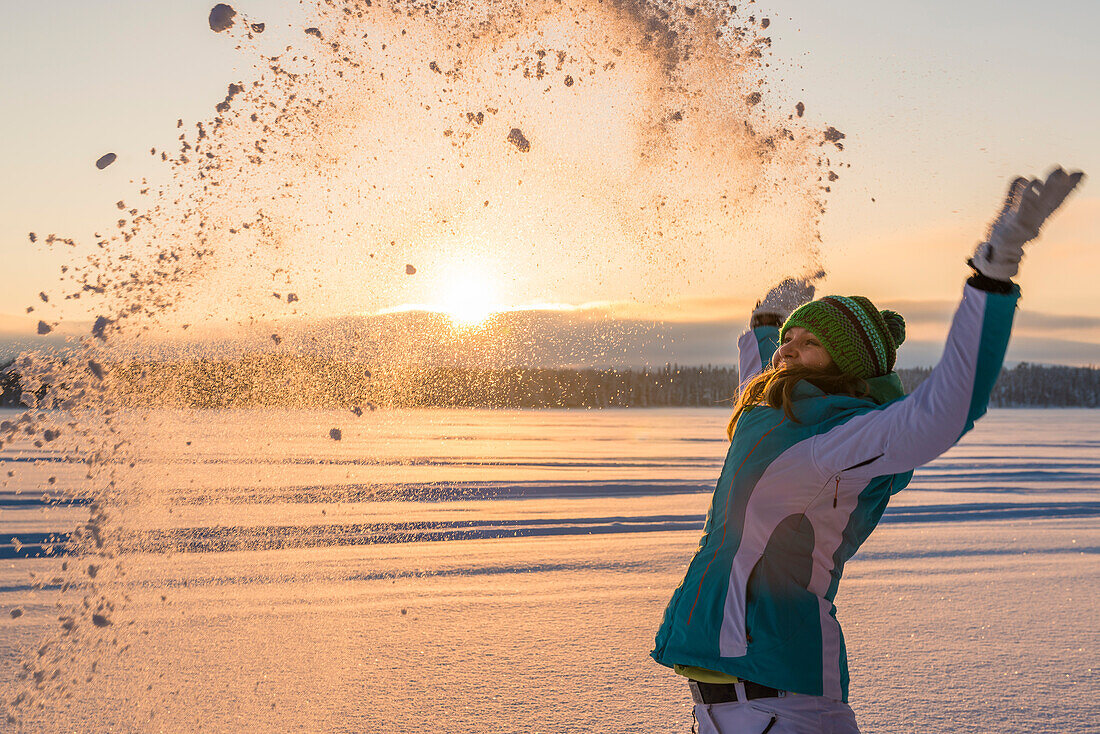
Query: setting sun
point(469, 297)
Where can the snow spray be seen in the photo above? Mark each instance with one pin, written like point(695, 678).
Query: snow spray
point(368, 155)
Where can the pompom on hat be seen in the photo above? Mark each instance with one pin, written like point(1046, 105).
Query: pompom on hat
point(862, 340)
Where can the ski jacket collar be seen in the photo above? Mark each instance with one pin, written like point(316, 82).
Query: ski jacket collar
point(882, 390)
point(886, 388)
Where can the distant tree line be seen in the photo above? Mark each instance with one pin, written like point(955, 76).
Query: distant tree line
point(296, 381)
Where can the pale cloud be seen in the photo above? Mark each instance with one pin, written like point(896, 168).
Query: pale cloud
point(695, 332)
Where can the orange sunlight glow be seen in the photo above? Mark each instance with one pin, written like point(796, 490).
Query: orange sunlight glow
point(469, 297)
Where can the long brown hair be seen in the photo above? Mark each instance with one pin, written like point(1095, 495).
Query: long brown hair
point(773, 387)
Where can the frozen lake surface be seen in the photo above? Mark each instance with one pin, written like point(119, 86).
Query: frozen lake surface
point(488, 571)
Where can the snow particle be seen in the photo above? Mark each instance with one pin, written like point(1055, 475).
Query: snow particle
point(16, 613)
point(95, 368)
point(800, 108)
point(410, 270)
point(516, 138)
point(98, 327)
point(335, 434)
point(277, 339)
point(257, 27)
point(834, 136)
point(315, 32)
point(221, 17)
point(44, 328)
point(105, 161)
point(100, 621)
point(291, 297)
point(223, 106)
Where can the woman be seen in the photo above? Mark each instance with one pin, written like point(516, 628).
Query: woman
point(819, 443)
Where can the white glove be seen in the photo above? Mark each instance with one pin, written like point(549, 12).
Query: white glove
point(1027, 206)
point(784, 298)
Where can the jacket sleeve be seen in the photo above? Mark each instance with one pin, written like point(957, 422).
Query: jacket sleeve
point(755, 349)
point(917, 428)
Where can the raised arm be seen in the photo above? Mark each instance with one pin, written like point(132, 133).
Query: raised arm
point(754, 350)
point(757, 345)
point(917, 428)
point(913, 430)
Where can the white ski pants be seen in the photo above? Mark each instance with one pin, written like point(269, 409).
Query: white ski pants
point(792, 714)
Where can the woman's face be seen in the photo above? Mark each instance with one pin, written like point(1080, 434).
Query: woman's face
point(800, 348)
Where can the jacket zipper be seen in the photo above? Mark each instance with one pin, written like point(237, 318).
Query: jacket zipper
point(836, 488)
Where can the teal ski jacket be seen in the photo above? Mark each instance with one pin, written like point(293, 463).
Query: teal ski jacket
point(795, 500)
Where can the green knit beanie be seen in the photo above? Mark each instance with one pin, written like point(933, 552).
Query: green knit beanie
point(862, 340)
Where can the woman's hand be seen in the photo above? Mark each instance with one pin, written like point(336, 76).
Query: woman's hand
point(780, 301)
point(1027, 206)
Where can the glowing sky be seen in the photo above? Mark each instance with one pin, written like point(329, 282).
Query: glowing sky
point(942, 104)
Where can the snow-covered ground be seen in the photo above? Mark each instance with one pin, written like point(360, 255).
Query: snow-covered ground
point(511, 572)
